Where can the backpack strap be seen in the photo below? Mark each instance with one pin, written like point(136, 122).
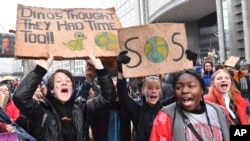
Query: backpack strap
point(190, 125)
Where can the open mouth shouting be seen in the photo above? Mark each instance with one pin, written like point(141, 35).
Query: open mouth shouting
point(64, 92)
point(152, 99)
point(224, 88)
point(187, 101)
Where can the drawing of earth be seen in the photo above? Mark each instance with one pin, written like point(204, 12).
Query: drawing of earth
point(107, 41)
point(156, 49)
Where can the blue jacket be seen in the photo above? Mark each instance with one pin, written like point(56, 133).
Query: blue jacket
point(207, 78)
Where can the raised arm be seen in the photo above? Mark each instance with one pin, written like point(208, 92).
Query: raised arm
point(108, 93)
point(86, 85)
point(23, 94)
point(122, 90)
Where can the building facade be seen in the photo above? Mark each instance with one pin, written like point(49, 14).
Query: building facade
point(239, 28)
point(218, 26)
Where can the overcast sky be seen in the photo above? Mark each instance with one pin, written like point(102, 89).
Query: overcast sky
point(8, 8)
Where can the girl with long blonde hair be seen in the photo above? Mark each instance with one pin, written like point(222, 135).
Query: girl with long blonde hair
point(224, 93)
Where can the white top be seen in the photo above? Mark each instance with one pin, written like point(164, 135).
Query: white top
point(200, 124)
point(227, 102)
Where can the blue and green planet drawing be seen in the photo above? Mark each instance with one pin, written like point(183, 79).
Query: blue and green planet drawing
point(155, 49)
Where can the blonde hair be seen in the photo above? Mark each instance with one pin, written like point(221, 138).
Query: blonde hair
point(150, 77)
point(233, 89)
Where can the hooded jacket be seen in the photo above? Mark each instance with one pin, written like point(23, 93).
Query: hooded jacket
point(77, 108)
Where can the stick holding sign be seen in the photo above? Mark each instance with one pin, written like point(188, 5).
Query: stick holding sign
point(154, 49)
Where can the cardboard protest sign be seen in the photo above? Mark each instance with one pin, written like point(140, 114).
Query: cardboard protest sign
point(7, 45)
point(231, 61)
point(71, 33)
point(3, 100)
point(154, 49)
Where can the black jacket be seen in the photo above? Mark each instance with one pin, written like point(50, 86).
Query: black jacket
point(121, 126)
point(142, 116)
point(81, 109)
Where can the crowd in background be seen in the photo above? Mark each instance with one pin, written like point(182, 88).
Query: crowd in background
point(210, 96)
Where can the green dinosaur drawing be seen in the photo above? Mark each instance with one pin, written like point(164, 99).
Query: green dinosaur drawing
point(76, 44)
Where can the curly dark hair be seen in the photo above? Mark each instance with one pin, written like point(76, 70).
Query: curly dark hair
point(192, 72)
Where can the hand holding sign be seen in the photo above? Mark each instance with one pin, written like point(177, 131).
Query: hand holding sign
point(191, 56)
point(122, 58)
point(96, 62)
point(46, 64)
point(89, 72)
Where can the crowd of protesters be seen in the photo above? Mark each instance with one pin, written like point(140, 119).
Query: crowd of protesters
point(204, 101)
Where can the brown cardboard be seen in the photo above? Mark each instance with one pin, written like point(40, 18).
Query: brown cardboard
point(154, 49)
point(70, 33)
point(232, 61)
point(3, 100)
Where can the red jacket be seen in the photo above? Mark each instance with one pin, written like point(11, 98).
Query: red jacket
point(12, 110)
point(3, 127)
point(162, 128)
point(13, 113)
point(241, 105)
